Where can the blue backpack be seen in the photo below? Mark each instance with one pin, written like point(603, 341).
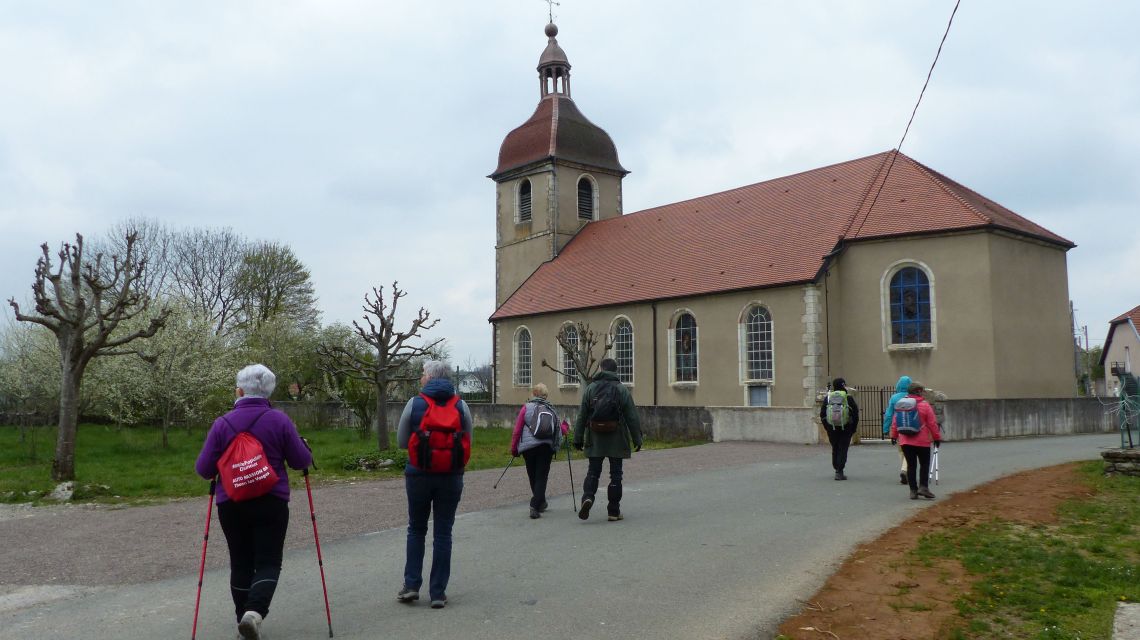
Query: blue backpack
point(907, 420)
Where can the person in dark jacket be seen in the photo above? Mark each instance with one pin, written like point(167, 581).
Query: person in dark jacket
point(602, 440)
point(840, 435)
point(432, 494)
point(537, 450)
point(255, 528)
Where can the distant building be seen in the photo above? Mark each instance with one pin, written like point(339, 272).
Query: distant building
point(1120, 346)
point(868, 269)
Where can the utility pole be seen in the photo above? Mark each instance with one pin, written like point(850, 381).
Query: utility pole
point(1089, 382)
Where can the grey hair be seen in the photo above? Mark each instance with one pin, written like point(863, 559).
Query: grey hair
point(256, 381)
point(437, 369)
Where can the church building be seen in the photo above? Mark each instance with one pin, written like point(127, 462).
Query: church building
point(866, 269)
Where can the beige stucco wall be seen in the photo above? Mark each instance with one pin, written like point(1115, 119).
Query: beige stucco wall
point(1124, 348)
point(718, 349)
point(521, 247)
point(1033, 338)
point(998, 308)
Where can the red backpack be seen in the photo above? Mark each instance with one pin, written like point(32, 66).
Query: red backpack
point(439, 444)
point(244, 470)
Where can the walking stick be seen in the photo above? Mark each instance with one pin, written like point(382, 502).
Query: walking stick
point(496, 485)
point(573, 496)
point(202, 565)
point(317, 538)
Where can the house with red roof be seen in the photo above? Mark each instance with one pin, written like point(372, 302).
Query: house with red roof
point(866, 269)
point(1120, 347)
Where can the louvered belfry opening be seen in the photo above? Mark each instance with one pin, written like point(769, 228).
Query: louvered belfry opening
point(585, 199)
point(524, 201)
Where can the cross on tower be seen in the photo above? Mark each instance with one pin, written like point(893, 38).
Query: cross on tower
point(550, 4)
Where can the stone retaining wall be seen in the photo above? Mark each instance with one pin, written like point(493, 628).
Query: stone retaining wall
point(1123, 461)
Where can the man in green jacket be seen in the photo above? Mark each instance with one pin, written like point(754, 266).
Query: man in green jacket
point(607, 422)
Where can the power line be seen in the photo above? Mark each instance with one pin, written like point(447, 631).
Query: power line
point(912, 113)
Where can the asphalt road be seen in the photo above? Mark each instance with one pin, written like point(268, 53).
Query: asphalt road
point(716, 552)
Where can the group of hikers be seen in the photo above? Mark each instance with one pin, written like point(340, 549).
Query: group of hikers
point(908, 420)
point(247, 450)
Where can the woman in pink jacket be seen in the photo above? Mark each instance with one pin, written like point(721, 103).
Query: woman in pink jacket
point(537, 437)
point(916, 446)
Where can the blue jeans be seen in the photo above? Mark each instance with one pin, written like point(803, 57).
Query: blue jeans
point(428, 492)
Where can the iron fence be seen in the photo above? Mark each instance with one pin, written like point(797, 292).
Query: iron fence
point(872, 403)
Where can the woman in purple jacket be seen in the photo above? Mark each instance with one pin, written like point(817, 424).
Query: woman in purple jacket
point(255, 529)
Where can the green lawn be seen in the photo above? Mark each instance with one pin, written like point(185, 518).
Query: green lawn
point(130, 465)
point(1050, 582)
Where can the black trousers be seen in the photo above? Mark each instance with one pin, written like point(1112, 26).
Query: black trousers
point(840, 440)
point(255, 533)
point(538, 462)
point(613, 491)
point(920, 455)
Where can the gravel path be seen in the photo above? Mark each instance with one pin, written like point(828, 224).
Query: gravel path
point(95, 545)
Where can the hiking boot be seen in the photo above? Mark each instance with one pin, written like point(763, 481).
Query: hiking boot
point(250, 625)
point(902, 477)
point(407, 594)
point(584, 512)
point(439, 603)
point(543, 507)
point(614, 517)
point(534, 514)
point(913, 494)
point(925, 493)
point(839, 475)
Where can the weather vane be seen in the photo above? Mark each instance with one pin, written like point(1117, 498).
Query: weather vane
point(550, 4)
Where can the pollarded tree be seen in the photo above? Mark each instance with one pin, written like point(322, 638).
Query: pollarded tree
point(389, 353)
point(577, 342)
point(83, 302)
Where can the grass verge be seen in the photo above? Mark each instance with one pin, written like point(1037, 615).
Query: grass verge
point(129, 465)
point(1059, 581)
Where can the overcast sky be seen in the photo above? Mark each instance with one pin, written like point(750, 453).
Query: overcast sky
point(361, 132)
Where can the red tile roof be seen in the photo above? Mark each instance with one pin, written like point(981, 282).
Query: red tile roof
point(557, 129)
point(763, 235)
point(1133, 315)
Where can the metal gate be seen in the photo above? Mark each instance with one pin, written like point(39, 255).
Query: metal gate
point(872, 403)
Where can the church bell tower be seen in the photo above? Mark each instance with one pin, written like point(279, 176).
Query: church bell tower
point(557, 172)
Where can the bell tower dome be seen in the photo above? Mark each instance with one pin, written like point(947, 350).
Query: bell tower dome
point(557, 172)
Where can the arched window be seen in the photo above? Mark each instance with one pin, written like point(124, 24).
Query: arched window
point(569, 371)
point(910, 307)
point(685, 348)
point(522, 357)
point(524, 200)
point(623, 350)
point(585, 198)
point(757, 343)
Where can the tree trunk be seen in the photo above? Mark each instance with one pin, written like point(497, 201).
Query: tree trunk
point(166, 427)
point(382, 438)
point(63, 466)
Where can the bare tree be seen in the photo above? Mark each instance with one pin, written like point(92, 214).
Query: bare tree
point(577, 342)
point(205, 268)
point(389, 352)
point(83, 303)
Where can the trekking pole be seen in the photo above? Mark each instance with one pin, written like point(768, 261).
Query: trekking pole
point(317, 538)
point(573, 496)
point(496, 485)
point(202, 565)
